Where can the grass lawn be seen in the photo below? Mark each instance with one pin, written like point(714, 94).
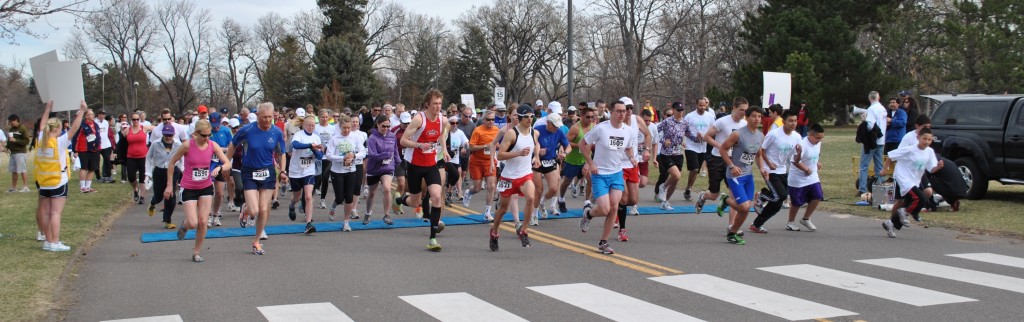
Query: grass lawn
point(29, 276)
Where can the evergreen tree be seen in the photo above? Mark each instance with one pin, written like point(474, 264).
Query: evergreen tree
point(425, 68)
point(469, 72)
point(344, 19)
point(284, 81)
point(337, 60)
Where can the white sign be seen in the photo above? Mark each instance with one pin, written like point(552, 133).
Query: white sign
point(499, 95)
point(468, 100)
point(38, 64)
point(777, 89)
point(64, 80)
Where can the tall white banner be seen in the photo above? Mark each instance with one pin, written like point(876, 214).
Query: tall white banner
point(64, 79)
point(499, 95)
point(38, 64)
point(468, 100)
point(777, 89)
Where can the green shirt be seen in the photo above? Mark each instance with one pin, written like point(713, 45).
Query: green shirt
point(19, 142)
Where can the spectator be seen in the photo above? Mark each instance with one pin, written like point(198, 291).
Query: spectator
point(803, 118)
point(17, 144)
point(872, 136)
point(897, 126)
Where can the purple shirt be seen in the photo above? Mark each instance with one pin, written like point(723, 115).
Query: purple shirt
point(381, 153)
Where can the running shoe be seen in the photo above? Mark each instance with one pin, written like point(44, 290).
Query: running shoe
point(666, 206)
point(495, 198)
point(903, 216)
point(59, 247)
point(310, 228)
point(418, 212)
point(323, 205)
point(263, 235)
point(241, 218)
point(699, 205)
point(587, 206)
point(623, 236)
point(524, 238)
point(346, 227)
point(354, 215)
point(604, 248)
point(954, 206)
point(758, 230)
point(330, 214)
point(634, 210)
point(433, 245)
point(542, 212)
point(889, 230)
point(791, 226)
point(466, 197)
point(584, 221)
point(182, 230)
point(493, 240)
point(366, 219)
point(562, 208)
point(216, 221)
point(257, 249)
point(807, 223)
point(662, 192)
point(46, 245)
point(535, 221)
point(686, 195)
point(275, 204)
point(198, 259)
point(365, 192)
point(488, 216)
point(758, 206)
point(722, 204)
point(152, 210)
point(232, 207)
point(440, 227)
point(291, 212)
point(135, 194)
point(553, 207)
point(24, 189)
point(519, 225)
point(209, 222)
point(40, 236)
point(917, 216)
point(170, 226)
point(616, 225)
point(251, 221)
point(387, 220)
point(736, 239)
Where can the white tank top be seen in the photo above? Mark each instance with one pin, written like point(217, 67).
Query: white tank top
point(520, 166)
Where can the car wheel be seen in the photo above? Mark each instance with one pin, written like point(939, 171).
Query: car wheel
point(977, 184)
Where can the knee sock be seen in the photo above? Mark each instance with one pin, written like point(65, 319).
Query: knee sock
point(622, 217)
point(425, 202)
point(435, 218)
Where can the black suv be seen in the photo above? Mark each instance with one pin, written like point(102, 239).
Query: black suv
point(983, 135)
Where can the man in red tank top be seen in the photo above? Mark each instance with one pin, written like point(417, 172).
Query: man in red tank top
point(423, 138)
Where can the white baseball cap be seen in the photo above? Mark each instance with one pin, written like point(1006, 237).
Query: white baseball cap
point(233, 123)
point(300, 112)
point(555, 107)
point(453, 119)
point(252, 117)
point(538, 103)
point(626, 100)
point(555, 119)
point(405, 118)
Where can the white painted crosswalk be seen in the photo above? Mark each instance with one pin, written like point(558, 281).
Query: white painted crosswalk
point(867, 285)
point(463, 306)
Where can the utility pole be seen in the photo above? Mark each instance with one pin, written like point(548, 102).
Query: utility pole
point(568, 46)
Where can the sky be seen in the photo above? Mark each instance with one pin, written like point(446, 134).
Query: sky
point(58, 27)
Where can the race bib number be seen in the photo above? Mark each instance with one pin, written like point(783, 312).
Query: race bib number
point(386, 162)
point(547, 163)
point(305, 162)
point(200, 174)
point(46, 153)
point(261, 175)
point(431, 148)
point(487, 152)
point(91, 137)
point(214, 158)
point(747, 158)
point(615, 142)
point(503, 185)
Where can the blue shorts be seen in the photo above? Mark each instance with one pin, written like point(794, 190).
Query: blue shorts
point(571, 170)
point(601, 184)
point(268, 182)
point(742, 188)
point(297, 184)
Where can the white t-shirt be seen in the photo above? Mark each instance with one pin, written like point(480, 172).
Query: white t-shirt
point(698, 125)
point(301, 164)
point(325, 132)
point(609, 146)
point(362, 138)
point(725, 126)
point(3, 136)
point(637, 135)
point(779, 147)
point(911, 163)
point(458, 140)
point(909, 139)
point(655, 139)
point(809, 156)
point(877, 116)
point(179, 133)
point(104, 127)
point(342, 144)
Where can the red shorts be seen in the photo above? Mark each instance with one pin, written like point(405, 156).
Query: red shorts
point(631, 175)
point(508, 187)
point(643, 169)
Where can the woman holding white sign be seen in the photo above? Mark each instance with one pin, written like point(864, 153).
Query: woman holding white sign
point(198, 195)
point(51, 168)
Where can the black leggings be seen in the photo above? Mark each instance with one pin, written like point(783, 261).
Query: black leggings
point(136, 169)
point(323, 181)
point(779, 188)
point(159, 185)
point(347, 185)
point(453, 173)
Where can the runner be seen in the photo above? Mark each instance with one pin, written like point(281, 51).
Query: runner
point(715, 136)
point(197, 154)
point(674, 130)
point(222, 136)
point(343, 150)
point(422, 140)
point(259, 171)
point(631, 172)
point(699, 121)
point(553, 147)
point(51, 167)
point(481, 162)
point(381, 157)
point(777, 151)
point(573, 167)
point(325, 131)
point(610, 140)
point(402, 168)
point(306, 149)
point(457, 143)
point(911, 163)
point(158, 161)
point(745, 147)
point(519, 155)
point(804, 184)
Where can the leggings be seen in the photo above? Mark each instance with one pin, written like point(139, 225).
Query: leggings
point(453, 173)
point(347, 185)
point(159, 185)
point(323, 181)
point(136, 169)
point(779, 188)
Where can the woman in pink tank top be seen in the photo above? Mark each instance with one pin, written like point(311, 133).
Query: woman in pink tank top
point(197, 181)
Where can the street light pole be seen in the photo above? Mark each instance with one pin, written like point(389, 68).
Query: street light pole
point(135, 97)
point(568, 45)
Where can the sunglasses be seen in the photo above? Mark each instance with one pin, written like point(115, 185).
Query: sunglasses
point(385, 126)
point(491, 119)
point(376, 110)
point(453, 123)
point(168, 119)
point(525, 116)
point(205, 135)
point(135, 120)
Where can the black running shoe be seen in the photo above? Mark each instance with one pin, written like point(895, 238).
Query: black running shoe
point(291, 213)
point(310, 228)
point(561, 207)
point(275, 205)
point(494, 241)
point(524, 238)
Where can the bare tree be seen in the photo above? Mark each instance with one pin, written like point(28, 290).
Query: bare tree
point(307, 26)
point(234, 42)
point(267, 35)
point(185, 28)
point(124, 31)
point(386, 24)
point(645, 28)
point(16, 15)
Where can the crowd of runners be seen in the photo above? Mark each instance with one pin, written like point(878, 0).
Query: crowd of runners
point(424, 159)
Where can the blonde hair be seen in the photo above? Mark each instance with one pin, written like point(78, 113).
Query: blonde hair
point(52, 124)
point(344, 119)
point(310, 118)
point(203, 124)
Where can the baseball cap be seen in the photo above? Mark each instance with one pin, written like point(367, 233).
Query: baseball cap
point(251, 117)
point(555, 119)
point(555, 107)
point(168, 130)
point(233, 123)
point(539, 103)
point(453, 119)
point(678, 106)
point(524, 109)
point(300, 112)
point(572, 108)
point(202, 109)
point(215, 119)
point(905, 93)
point(626, 100)
point(501, 107)
point(405, 118)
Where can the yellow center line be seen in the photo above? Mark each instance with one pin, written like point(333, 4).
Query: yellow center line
point(592, 253)
point(578, 244)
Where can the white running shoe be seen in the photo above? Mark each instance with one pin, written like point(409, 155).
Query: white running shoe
point(323, 205)
point(662, 192)
point(40, 236)
point(59, 247)
point(209, 222)
point(666, 206)
point(634, 210)
point(488, 216)
point(466, 197)
point(346, 227)
point(216, 220)
point(807, 223)
point(791, 226)
point(263, 235)
point(46, 245)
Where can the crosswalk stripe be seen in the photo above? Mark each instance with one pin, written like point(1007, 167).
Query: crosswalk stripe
point(867, 285)
point(993, 259)
point(303, 312)
point(610, 304)
point(1002, 282)
point(449, 307)
point(164, 318)
point(777, 304)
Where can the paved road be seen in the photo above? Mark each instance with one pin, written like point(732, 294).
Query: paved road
point(676, 267)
